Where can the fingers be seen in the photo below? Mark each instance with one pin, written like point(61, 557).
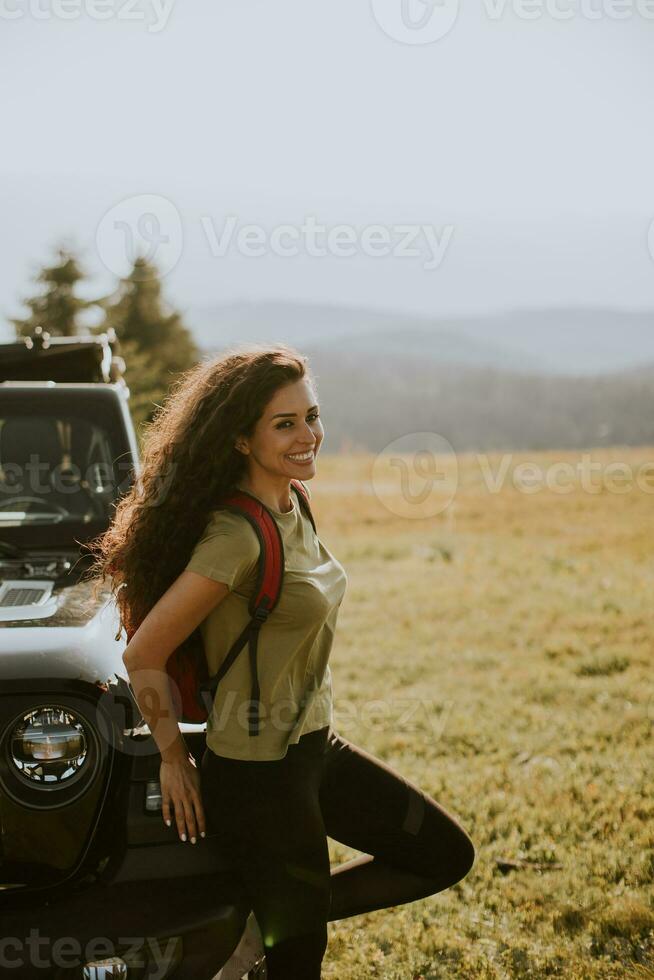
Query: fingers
point(199, 813)
point(184, 804)
point(190, 819)
point(194, 816)
point(180, 817)
point(195, 800)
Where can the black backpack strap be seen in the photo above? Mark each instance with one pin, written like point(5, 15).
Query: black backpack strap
point(303, 497)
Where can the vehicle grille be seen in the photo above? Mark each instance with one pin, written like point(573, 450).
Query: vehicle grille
point(20, 599)
point(21, 596)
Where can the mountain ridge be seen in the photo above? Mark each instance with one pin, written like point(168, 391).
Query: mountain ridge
point(570, 340)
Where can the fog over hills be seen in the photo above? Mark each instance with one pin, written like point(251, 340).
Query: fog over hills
point(555, 341)
point(533, 379)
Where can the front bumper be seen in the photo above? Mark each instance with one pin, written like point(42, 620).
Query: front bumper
point(128, 884)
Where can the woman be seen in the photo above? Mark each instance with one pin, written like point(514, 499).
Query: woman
point(250, 420)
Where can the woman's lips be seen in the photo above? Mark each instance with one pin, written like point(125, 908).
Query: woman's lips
point(302, 462)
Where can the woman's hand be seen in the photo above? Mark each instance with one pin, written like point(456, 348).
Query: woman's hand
point(181, 797)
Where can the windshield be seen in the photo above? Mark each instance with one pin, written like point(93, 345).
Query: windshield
point(55, 468)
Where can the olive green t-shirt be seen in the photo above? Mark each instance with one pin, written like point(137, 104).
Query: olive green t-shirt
point(294, 643)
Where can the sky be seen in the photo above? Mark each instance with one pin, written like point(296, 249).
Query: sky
point(393, 154)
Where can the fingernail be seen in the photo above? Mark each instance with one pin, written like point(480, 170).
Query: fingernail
point(192, 840)
point(183, 836)
point(202, 833)
point(168, 823)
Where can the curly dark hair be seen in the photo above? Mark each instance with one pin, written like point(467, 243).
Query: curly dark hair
point(189, 462)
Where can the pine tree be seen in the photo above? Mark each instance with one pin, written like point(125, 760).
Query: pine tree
point(57, 307)
point(153, 339)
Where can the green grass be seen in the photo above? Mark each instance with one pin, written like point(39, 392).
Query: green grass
point(522, 626)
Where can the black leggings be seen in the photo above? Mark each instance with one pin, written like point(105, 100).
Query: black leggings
point(275, 818)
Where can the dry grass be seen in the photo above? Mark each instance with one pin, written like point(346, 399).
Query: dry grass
point(521, 625)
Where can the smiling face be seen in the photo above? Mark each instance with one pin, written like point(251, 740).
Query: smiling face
point(289, 427)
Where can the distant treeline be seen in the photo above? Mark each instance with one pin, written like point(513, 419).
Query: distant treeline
point(375, 384)
point(369, 400)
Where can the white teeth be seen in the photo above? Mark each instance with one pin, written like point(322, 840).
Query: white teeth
point(302, 456)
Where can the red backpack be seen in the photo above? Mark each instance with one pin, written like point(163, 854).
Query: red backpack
point(192, 689)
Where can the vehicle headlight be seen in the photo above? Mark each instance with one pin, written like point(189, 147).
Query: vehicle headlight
point(48, 746)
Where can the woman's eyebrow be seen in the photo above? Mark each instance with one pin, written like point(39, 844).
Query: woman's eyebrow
point(280, 415)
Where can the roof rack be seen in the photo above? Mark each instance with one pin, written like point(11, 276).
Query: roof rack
point(41, 357)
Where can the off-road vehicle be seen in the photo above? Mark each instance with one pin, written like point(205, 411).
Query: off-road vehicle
point(92, 882)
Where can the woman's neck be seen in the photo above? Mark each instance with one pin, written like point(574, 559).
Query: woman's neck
point(270, 498)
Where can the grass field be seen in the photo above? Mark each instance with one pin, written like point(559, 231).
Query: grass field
point(520, 627)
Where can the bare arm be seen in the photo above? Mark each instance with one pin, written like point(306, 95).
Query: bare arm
point(180, 610)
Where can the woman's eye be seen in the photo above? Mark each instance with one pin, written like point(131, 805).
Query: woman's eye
point(314, 415)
